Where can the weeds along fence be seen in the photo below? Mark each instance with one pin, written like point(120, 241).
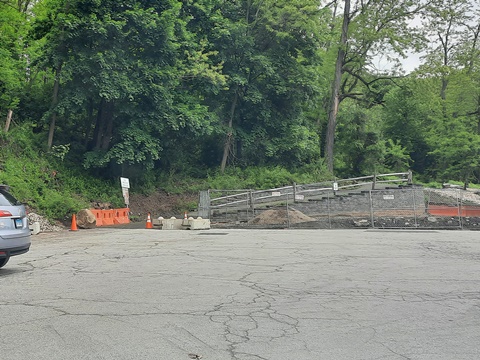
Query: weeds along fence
point(381, 201)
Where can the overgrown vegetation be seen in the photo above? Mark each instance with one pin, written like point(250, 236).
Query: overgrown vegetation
point(45, 182)
point(51, 184)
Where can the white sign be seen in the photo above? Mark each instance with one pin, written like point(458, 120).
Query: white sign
point(299, 197)
point(276, 193)
point(388, 197)
point(335, 186)
point(125, 182)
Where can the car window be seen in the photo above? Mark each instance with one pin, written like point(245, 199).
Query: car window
point(7, 199)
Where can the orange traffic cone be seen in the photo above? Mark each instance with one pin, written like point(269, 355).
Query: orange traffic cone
point(74, 223)
point(149, 222)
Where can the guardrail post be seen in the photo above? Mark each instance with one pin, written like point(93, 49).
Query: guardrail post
point(204, 204)
point(459, 206)
point(414, 207)
point(371, 211)
point(252, 202)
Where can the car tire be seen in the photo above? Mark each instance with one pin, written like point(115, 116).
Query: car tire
point(4, 262)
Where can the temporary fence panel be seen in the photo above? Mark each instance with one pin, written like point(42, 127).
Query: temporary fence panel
point(443, 207)
point(397, 208)
point(347, 203)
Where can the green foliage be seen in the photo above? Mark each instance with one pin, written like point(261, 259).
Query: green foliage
point(59, 151)
point(13, 27)
point(46, 183)
point(396, 156)
point(361, 145)
point(262, 178)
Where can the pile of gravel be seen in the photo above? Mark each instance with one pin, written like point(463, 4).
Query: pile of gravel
point(45, 225)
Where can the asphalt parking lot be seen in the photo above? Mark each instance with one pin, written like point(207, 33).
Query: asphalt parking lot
point(243, 294)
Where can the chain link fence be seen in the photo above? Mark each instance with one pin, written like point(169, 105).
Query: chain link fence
point(402, 207)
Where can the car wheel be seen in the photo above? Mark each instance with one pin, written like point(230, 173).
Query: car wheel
point(4, 262)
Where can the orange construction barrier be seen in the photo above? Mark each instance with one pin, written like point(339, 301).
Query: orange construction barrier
point(121, 216)
point(108, 217)
point(453, 211)
point(111, 217)
point(98, 215)
point(74, 223)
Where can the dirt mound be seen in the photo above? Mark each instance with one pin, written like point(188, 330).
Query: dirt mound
point(272, 217)
point(161, 203)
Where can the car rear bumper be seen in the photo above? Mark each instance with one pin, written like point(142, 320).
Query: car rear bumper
point(6, 253)
point(14, 243)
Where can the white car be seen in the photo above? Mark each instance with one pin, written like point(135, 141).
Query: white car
point(14, 229)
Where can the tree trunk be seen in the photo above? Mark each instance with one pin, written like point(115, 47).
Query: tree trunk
point(9, 119)
point(335, 96)
point(89, 122)
point(228, 141)
point(107, 136)
point(99, 125)
point(56, 86)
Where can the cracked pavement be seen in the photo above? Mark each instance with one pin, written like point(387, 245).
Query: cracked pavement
point(110, 293)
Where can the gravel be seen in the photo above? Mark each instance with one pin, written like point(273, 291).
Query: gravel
point(45, 225)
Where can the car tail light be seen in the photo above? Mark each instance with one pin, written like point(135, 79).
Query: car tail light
point(5, 213)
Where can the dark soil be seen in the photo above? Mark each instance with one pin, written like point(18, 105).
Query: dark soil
point(161, 203)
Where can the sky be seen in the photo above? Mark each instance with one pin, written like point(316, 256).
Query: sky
point(414, 60)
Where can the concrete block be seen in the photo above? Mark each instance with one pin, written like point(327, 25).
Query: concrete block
point(199, 224)
point(35, 228)
point(158, 222)
point(182, 224)
point(172, 224)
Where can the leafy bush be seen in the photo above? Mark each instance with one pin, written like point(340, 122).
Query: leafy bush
point(248, 178)
point(46, 183)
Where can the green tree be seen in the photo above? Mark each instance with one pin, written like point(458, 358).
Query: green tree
point(405, 113)
point(121, 70)
point(14, 71)
point(367, 29)
point(269, 51)
point(452, 68)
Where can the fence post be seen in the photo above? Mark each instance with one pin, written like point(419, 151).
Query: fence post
point(459, 206)
point(294, 192)
point(252, 202)
point(371, 210)
point(329, 210)
point(288, 214)
point(374, 181)
point(414, 208)
point(204, 204)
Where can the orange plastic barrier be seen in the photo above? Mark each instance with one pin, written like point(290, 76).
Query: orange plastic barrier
point(98, 215)
point(121, 216)
point(453, 211)
point(111, 217)
point(108, 216)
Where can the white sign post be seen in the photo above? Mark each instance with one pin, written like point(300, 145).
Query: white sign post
point(125, 182)
point(125, 186)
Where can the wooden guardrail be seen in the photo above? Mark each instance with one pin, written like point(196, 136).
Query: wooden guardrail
point(249, 198)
